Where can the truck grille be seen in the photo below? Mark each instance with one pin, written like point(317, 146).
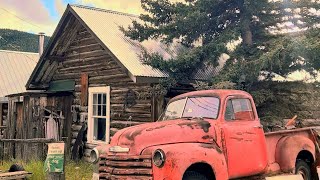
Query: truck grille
point(125, 167)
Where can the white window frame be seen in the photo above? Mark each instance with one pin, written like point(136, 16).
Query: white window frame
point(93, 90)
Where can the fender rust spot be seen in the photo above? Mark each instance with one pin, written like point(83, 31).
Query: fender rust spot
point(211, 146)
point(159, 127)
point(204, 125)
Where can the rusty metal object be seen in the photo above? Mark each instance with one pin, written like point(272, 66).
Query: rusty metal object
point(226, 149)
point(125, 167)
point(292, 121)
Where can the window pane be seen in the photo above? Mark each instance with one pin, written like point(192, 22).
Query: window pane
point(94, 110)
point(229, 114)
point(104, 110)
point(206, 107)
point(95, 98)
point(99, 110)
point(236, 105)
point(99, 132)
point(104, 99)
point(99, 98)
point(174, 109)
point(242, 109)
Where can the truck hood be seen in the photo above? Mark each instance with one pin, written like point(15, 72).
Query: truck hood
point(142, 136)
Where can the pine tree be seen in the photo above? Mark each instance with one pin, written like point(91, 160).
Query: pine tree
point(205, 27)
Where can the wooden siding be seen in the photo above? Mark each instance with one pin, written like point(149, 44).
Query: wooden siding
point(3, 117)
point(77, 55)
point(26, 120)
point(86, 56)
point(23, 125)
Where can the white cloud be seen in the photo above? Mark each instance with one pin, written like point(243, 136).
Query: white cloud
point(60, 6)
point(127, 6)
point(30, 16)
point(33, 16)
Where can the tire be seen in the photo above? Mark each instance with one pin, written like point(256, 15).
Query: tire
point(304, 169)
point(193, 175)
point(16, 167)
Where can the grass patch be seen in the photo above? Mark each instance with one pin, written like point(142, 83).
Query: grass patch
point(81, 170)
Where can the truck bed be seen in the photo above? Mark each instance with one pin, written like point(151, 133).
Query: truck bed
point(272, 139)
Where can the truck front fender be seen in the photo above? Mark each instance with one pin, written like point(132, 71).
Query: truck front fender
point(179, 157)
point(288, 149)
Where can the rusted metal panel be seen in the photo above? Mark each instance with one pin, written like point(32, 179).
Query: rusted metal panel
point(126, 164)
point(126, 171)
point(125, 167)
point(84, 89)
point(126, 158)
point(113, 177)
point(116, 177)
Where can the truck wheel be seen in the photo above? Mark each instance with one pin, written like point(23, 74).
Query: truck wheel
point(193, 175)
point(303, 168)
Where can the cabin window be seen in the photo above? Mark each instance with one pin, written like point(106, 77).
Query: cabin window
point(239, 109)
point(99, 114)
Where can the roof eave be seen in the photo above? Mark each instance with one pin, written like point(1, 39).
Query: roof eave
point(147, 79)
point(48, 47)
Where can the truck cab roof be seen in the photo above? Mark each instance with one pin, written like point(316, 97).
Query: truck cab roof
point(213, 92)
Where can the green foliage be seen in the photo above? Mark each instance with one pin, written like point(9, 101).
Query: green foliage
point(205, 27)
point(19, 41)
point(81, 170)
point(262, 96)
point(180, 67)
point(200, 85)
point(276, 101)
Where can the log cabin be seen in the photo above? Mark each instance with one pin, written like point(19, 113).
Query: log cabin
point(90, 83)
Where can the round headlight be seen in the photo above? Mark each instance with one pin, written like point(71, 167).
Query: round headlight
point(94, 155)
point(159, 158)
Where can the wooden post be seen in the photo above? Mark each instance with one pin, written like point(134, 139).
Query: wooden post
point(1, 120)
point(1, 114)
point(55, 176)
point(84, 89)
point(55, 150)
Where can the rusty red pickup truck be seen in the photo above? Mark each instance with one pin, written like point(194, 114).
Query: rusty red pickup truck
point(211, 134)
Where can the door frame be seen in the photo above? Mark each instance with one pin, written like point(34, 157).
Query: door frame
point(243, 131)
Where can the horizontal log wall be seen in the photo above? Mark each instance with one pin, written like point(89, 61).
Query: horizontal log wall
point(86, 55)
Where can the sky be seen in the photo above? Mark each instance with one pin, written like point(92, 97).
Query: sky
point(36, 16)
point(43, 15)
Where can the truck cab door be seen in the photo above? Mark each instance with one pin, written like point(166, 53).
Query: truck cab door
point(245, 144)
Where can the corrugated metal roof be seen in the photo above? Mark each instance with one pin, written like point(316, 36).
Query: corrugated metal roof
point(208, 70)
point(106, 26)
point(15, 69)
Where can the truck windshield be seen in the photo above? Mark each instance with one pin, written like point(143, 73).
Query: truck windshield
point(192, 107)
